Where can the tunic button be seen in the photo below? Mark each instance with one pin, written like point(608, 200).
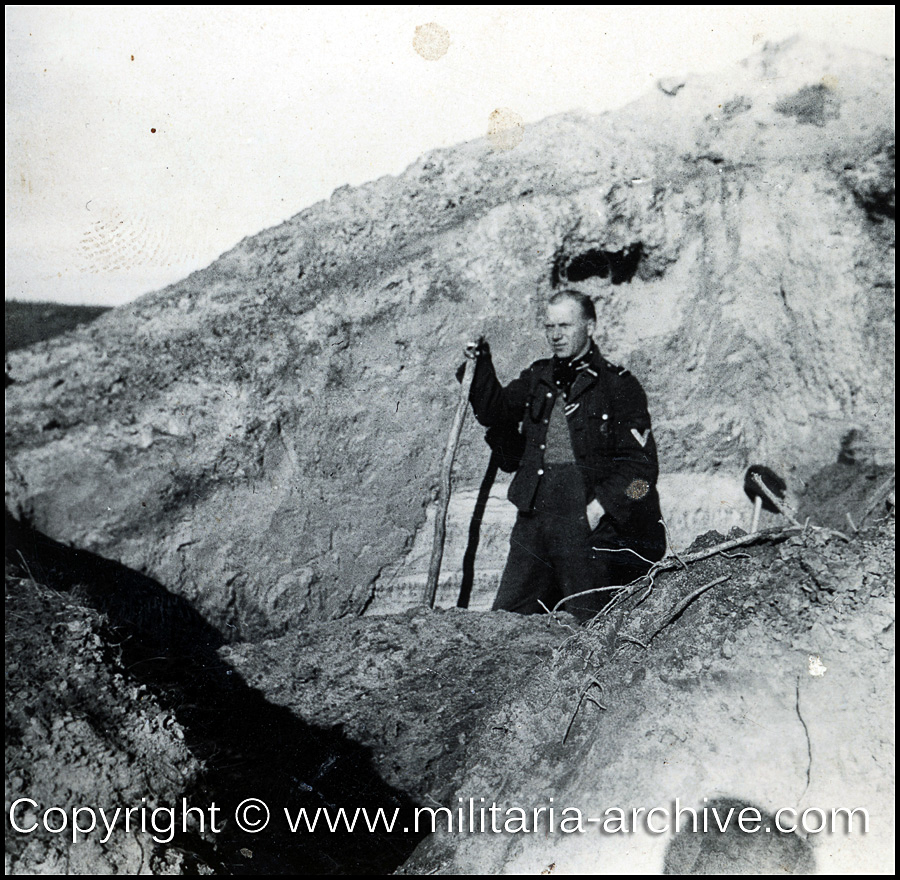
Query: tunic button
point(540, 472)
point(546, 421)
point(543, 445)
point(605, 417)
point(549, 394)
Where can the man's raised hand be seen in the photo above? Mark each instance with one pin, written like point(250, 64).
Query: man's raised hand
point(477, 348)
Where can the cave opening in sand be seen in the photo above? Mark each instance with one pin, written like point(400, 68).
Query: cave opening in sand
point(619, 266)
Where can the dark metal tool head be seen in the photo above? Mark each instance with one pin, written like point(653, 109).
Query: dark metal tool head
point(775, 484)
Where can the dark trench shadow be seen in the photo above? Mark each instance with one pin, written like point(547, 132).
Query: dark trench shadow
point(251, 748)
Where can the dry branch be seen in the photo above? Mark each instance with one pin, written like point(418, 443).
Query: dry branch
point(581, 698)
point(683, 604)
point(671, 562)
point(625, 591)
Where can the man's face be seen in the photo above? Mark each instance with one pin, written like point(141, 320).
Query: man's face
point(568, 331)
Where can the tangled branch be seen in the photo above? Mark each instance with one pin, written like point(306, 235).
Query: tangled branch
point(625, 591)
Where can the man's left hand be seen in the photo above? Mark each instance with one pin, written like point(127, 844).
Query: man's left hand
point(595, 513)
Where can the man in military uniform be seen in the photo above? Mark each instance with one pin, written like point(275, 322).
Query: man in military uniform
point(585, 486)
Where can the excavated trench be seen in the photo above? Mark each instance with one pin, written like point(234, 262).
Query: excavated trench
point(720, 262)
point(247, 746)
point(423, 708)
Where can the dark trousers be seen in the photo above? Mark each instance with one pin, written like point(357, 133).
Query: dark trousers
point(550, 553)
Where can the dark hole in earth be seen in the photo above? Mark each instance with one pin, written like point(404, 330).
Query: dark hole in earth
point(251, 748)
point(618, 266)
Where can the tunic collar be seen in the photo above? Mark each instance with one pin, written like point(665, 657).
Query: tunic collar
point(567, 371)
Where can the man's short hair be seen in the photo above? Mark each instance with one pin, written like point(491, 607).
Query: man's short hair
point(588, 312)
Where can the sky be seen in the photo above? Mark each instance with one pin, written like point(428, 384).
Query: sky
point(143, 142)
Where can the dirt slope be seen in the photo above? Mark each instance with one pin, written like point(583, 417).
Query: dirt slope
point(772, 689)
point(80, 731)
point(116, 699)
point(264, 436)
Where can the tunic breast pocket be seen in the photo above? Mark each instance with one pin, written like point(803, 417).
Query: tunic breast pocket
point(598, 425)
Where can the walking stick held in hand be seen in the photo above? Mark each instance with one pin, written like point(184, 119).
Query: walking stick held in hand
point(440, 521)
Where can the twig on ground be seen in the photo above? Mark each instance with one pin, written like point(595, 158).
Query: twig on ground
point(579, 595)
point(551, 615)
point(647, 592)
point(730, 544)
point(634, 641)
point(626, 591)
point(850, 520)
point(669, 545)
point(581, 698)
point(683, 604)
point(668, 563)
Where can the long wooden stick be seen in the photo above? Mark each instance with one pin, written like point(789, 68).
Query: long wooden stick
point(440, 520)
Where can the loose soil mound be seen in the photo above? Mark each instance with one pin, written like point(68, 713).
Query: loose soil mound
point(411, 687)
point(81, 731)
point(727, 699)
point(169, 720)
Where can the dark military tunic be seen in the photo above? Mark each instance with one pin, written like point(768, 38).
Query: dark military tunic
point(612, 457)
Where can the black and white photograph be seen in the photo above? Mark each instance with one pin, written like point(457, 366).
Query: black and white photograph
point(450, 440)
